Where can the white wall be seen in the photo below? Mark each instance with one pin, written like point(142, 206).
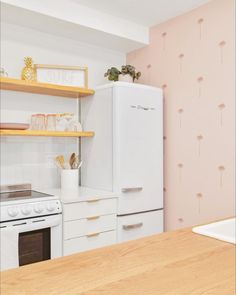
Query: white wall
point(30, 159)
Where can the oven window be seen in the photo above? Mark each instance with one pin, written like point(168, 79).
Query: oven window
point(34, 246)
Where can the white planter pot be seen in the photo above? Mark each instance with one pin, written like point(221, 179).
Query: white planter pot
point(125, 78)
point(69, 179)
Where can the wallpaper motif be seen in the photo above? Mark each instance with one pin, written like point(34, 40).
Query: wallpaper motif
point(181, 56)
point(192, 59)
point(200, 82)
point(200, 23)
point(221, 108)
point(222, 45)
point(164, 40)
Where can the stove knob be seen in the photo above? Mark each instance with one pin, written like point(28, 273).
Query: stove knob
point(38, 208)
point(26, 210)
point(51, 207)
point(13, 211)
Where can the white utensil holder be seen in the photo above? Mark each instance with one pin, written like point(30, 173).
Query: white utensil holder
point(69, 179)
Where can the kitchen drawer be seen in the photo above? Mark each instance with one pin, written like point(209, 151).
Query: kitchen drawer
point(97, 207)
point(136, 226)
point(94, 224)
point(89, 242)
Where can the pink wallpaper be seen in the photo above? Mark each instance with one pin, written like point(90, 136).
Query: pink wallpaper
point(192, 57)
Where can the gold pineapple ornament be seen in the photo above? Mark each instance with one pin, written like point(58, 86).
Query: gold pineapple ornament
point(28, 72)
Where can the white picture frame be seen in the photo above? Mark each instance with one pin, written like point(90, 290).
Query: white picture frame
point(62, 75)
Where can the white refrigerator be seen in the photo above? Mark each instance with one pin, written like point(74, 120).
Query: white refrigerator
point(126, 154)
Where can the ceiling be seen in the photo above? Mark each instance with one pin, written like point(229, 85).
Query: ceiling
point(143, 12)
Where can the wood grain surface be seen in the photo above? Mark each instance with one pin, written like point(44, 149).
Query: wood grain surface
point(44, 88)
point(5, 132)
point(173, 263)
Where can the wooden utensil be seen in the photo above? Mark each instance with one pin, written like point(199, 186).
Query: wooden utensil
point(76, 162)
point(60, 161)
point(72, 160)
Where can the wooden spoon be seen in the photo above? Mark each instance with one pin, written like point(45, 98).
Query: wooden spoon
point(72, 160)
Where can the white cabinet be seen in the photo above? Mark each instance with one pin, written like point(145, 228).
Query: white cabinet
point(136, 226)
point(89, 221)
point(86, 226)
point(91, 207)
point(89, 242)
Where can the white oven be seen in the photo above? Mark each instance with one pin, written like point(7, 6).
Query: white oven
point(30, 230)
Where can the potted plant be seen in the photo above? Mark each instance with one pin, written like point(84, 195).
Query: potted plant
point(127, 74)
point(112, 74)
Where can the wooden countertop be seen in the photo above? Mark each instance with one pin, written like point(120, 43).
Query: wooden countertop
point(174, 263)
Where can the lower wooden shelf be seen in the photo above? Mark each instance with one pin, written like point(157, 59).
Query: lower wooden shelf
point(5, 132)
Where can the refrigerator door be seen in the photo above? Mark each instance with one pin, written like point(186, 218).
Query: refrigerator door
point(138, 148)
point(140, 225)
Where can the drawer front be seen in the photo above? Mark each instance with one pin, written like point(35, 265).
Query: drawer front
point(94, 224)
point(86, 209)
point(89, 242)
point(140, 225)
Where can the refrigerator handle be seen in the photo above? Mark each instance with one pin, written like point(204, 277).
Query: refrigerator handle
point(132, 226)
point(131, 189)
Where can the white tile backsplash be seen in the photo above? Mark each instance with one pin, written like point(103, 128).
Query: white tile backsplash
point(30, 160)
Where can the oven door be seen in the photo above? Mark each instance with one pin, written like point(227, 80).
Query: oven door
point(30, 240)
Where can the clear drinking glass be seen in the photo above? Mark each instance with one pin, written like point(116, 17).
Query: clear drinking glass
point(33, 123)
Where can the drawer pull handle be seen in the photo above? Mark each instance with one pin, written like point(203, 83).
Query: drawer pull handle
point(93, 235)
point(93, 217)
point(131, 189)
point(132, 226)
point(93, 201)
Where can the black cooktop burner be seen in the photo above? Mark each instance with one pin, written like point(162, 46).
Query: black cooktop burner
point(22, 195)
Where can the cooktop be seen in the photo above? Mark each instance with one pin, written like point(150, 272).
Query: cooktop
point(22, 195)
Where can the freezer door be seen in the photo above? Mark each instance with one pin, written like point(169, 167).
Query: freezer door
point(136, 226)
point(138, 149)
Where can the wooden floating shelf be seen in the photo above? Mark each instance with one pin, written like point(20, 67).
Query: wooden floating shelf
point(5, 132)
point(44, 88)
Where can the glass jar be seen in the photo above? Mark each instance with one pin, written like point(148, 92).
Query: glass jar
point(51, 122)
point(68, 117)
point(65, 122)
point(38, 122)
point(74, 125)
point(60, 122)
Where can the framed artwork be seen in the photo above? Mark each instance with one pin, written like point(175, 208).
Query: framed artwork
point(62, 75)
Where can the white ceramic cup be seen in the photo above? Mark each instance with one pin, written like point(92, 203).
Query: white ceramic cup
point(69, 179)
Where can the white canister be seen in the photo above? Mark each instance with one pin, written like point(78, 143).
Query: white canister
point(69, 179)
point(125, 78)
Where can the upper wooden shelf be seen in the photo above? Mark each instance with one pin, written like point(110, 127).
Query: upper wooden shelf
point(5, 132)
point(44, 88)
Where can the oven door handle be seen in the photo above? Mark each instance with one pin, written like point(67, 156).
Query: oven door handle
point(34, 223)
